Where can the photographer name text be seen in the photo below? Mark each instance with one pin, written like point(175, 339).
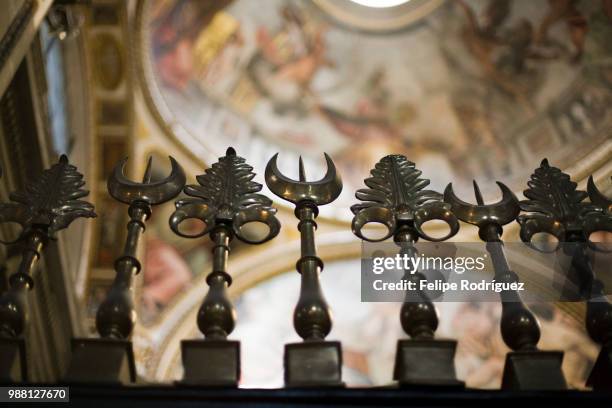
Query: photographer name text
point(443, 286)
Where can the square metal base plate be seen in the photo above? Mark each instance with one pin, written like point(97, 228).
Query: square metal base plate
point(533, 370)
point(105, 361)
point(313, 364)
point(214, 363)
point(426, 363)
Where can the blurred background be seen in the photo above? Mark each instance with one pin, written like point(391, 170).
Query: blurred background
point(465, 89)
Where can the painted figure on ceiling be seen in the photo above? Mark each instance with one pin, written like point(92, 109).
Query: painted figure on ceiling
point(288, 60)
point(175, 28)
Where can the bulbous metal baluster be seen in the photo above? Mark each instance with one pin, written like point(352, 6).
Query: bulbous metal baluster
point(396, 198)
point(526, 367)
point(225, 200)
point(519, 327)
point(46, 206)
point(110, 358)
point(315, 362)
point(311, 317)
point(116, 315)
point(418, 315)
point(13, 313)
point(217, 315)
point(556, 207)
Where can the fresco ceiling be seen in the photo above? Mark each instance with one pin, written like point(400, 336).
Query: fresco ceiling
point(469, 90)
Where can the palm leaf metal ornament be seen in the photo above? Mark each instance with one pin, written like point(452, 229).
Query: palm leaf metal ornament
point(226, 195)
point(555, 206)
point(44, 207)
point(396, 195)
point(50, 203)
point(226, 200)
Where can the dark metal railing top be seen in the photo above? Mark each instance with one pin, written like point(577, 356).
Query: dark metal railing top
point(227, 202)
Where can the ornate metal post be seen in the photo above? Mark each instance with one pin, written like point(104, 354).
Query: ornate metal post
point(44, 207)
point(527, 368)
point(599, 310)
point(396, 199)
point(315, 361)
point(556, 207)
point(110, 359)
point(226, 201)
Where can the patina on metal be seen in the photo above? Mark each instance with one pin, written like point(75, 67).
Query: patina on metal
point(555, 206)
point(226, 200)
point(46, 206)
point(314, 362)
point(110, 359)
point(526, 368)
point(396, 198)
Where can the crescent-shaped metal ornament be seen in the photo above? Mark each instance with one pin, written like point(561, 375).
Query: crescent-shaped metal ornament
point(321, 192)
point(158, 192)
point(501, 213)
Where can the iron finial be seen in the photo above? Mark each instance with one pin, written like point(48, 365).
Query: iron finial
point(44, 207)
point(501, 213)
point(52, 201)
point(126, 191)
point(396, 194)
point(320, 192)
